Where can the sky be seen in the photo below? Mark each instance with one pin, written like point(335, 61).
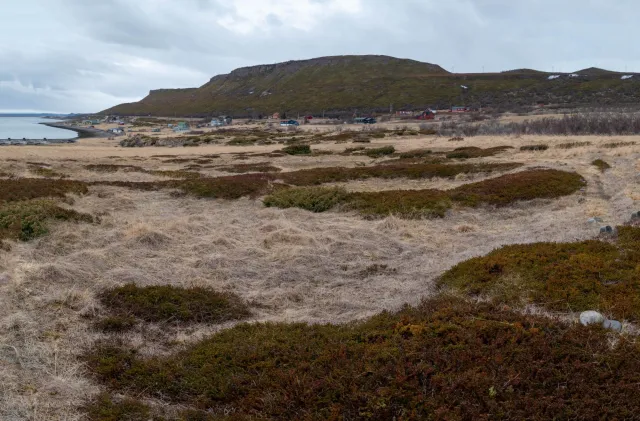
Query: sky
point(86, 56)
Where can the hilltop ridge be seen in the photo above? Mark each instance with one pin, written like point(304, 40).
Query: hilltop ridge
point(373, 83)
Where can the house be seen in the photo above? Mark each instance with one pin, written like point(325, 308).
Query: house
point(460, 109)
point(156, 130)
point(427, 114)
point(117, 131)
point(181, 127)
point(276, 116)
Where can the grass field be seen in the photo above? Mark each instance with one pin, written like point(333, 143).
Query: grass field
point(410, 278)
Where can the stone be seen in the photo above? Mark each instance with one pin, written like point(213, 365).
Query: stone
point(606, 230)
point(635, 215)
point(612, 325)
point(594, 220)
point(591, 318)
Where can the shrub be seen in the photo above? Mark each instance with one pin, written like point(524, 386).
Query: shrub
point(115, 324)
point(175, 174)
point(255, 167)
point(534, 147)
point(314, 199)
point(27, 220)
point(231, 187)
point(444, 359)
point(378, 152)
point(113, 168)
point(572, 145)
point(416, 153)
point(166, 303)
point(33, 188)
point(614, 145)
point(297, 149)
point(579, 276)
point(500, 191)
point(602, 165)
point(475, 152)
point(46, 172)
point(315, 176)
point(456, 139)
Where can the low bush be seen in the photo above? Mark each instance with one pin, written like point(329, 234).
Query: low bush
point(614, 145)
point(602, 165)
point(316, 176)
point(114, 324)
point(534, 147)
point(297, 149)
point(456, 139)
point(231, 187)
point(444, 359)
point(572, 145)
point(587, 275)
point(416, 153)
point(314, 199)
point(46, 172)
point(166, 303)
point(15, 189)
point(255, 167)
point(475, 152)
point(500, 191)
point(379, 152)
point(26, 220)
point(175, 174)
point(113, 168)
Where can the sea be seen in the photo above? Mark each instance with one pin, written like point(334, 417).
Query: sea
point(12, 127)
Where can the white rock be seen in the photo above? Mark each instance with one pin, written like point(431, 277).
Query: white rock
point(591, 318)
point(613, 325)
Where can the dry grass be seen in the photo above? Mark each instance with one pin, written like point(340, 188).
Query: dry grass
point(290, 265)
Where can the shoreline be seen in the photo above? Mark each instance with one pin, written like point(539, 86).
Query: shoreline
point(83, 132)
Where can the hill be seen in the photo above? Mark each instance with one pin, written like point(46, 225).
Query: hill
point(343, 84)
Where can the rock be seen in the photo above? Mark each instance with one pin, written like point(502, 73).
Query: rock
point(594, 220)
point(4, 278)
point(606, 230)
point(635, 215)
point(591, 318)
point(613, 325)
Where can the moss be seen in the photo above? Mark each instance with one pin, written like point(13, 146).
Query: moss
point(297, 149)
point(115, 324)
point(444, 359)
point(559, 276)
point(314, 199)
point(601, 165)
point(166, 303)
point(232, 187)
point(379, 152)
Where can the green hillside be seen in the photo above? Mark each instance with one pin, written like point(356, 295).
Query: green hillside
point(344, 84)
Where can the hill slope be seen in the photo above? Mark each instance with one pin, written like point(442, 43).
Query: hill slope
point(343, 84)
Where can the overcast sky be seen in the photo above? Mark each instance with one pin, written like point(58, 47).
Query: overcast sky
point(85, 56)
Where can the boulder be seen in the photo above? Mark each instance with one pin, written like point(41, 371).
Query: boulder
point(612, 325)
point(606, 230)
point(591, 318)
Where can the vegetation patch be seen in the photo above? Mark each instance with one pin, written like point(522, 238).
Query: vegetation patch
point(416, 153)
point(316, 176)
point(175, 174)
point(314, 199)
point(231, 187)
point(500, 191)
point(475, 152)
point(297, 149)
point(444, 359)
point(46, 172)
point(602, 165)
point(28, 219)
point(113, 168)
point(572, 145)
point(541, 147)
point(166, 303)
point(33, 188)
point(379, 152)
point(614, 145)
point(587, 275)
point(255, 167)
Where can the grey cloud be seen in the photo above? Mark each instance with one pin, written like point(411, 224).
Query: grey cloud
point(75, 55)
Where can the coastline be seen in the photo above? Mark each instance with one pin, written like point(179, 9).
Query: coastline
point(83, 132)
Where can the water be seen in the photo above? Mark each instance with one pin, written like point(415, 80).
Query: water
point(28, 127)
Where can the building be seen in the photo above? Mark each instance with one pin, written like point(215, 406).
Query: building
point(460, 109)
point(427, 114)
point(117, 131)
point(181, 127)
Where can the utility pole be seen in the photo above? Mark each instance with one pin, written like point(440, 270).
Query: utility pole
point(390, 108)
